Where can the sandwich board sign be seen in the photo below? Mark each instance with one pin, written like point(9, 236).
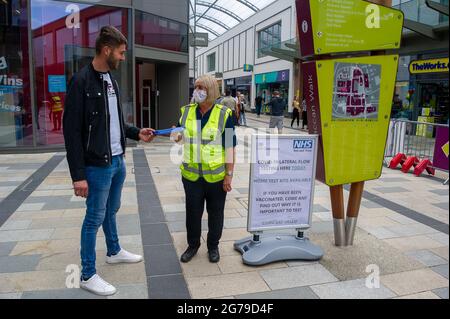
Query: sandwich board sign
point(281, 195)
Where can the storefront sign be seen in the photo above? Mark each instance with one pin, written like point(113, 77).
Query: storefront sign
point(272, 77)
point(282, 181)
point(3, 64)
point(441, 148)
point(347, 26)
point(229, 82)
point(57, 83)
point(428, 66)
point(198, 39)
point(351, 111)
point(248, 68)
point(218, 75)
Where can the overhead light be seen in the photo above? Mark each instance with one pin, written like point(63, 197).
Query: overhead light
point(5, 1)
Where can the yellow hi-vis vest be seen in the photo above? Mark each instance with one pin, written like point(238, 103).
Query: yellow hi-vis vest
point(204, 154)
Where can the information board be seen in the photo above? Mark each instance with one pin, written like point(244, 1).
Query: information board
point(332, 26)
point(282, 178)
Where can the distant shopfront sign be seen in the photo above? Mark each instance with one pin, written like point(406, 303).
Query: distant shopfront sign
point(429, 66)
point(198, 39)
point(248, 68)
point(57, 83)
point(272, 77)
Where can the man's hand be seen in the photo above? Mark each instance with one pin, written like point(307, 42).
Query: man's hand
point(227, 184)
point(146, 135)
point(81, 189)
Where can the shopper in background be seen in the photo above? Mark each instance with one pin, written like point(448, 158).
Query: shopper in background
point(277, 106)
point(304, 114)
point(258, 104)
point(296, 111)
point(243, 104)
point(230, 103)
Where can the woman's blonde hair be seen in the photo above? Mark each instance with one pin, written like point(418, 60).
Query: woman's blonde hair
point(211, 85)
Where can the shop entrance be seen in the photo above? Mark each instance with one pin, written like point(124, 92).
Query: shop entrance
point(146, 94)
point(433, 101)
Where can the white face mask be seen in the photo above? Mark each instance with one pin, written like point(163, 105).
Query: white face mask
point(200, 96)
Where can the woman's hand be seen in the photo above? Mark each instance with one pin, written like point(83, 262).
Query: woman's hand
point(176, 136)
point(227, 184)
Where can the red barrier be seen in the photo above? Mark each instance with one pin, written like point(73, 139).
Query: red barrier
point(398, 159)
point(410, 161)
point(425, 164)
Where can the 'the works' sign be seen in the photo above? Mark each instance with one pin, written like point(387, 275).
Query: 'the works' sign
point(429, 66)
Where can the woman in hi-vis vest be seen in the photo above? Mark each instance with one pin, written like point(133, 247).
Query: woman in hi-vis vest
point(209, 143)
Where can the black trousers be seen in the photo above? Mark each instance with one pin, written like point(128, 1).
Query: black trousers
point(305, 119)
point(197, 193)
point(295, 116)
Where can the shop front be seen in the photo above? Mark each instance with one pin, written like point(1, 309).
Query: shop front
point(423, 95)
point(241, 84)
point(267, 83)
point(44, 42)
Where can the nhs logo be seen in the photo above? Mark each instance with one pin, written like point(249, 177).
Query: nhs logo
point(303, 144)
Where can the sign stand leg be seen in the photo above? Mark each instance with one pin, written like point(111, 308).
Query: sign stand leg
point(337, 206)
point(354, 203)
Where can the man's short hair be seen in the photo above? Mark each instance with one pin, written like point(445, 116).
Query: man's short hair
point(276, 93)
point(109, 36)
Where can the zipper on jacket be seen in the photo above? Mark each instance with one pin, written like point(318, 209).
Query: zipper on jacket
point(105, 92)
point(89, 138)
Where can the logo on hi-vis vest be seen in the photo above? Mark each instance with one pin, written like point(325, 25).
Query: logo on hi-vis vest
point(302, 144)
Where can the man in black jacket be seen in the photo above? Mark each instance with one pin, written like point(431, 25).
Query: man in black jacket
point(95, 136)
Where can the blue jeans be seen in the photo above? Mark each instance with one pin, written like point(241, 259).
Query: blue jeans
point(103, 202)
point(243, 119)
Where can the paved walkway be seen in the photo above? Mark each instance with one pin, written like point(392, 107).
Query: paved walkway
point(403, 229)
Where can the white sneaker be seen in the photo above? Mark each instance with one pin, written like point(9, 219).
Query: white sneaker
point(123, 257)
point(98, 286)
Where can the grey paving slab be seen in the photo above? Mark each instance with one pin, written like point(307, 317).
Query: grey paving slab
point(178, 216)
point(128, 225)
point(235, 223)
point(14, 200)
point(242, 190)
point(389, 190)
point(168, 287)
point(443, 205)
point(6, 248)
point(9, 183)
point(319, 208)
point(442, 192)
point(441, 292)
point(370, 204)
point(427, 257)
point(394, 180)
point(291, 293)
point(25, 235)
point(441, 270)
point(136, 291)
point(58, 205)
point(11, 264)
point(162, 260)
point(155, 234)
point(297, 276)
point(353, 289)
point(75, 293)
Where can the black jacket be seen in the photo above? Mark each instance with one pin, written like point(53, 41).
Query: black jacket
point(277, 106)
point(86, 122)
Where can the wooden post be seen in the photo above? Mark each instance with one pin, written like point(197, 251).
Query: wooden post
point(354, 203)
point(337, 207)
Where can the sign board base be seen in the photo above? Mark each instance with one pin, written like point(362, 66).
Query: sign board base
point(272, 248)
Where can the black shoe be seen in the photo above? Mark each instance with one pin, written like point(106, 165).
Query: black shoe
point(189, 254)
point(214, 255)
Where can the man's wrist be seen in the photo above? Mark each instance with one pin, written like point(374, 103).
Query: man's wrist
point(229, 173)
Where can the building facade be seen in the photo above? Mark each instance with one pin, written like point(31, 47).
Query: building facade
point(244, 45)
point(44, 42)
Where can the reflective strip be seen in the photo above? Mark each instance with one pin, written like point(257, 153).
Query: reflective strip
point(185, 115)
point(201, 172)
point(191, 140)
point(223, 113)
